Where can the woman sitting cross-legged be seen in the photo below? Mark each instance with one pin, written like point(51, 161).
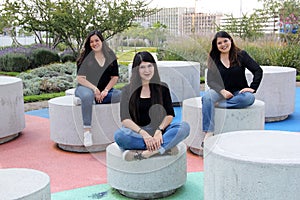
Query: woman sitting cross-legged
point(147, 114)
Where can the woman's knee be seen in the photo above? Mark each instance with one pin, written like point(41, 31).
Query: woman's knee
point(210, 97)
point(249, 99)
point(185, 128)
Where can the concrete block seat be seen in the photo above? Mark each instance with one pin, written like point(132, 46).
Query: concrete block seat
point(250, 118)
point(70, 91)
point(155, 177)
point(66, 125)
point(25, 184)
point(254, 164)
point(12, 117)
point(277, 90)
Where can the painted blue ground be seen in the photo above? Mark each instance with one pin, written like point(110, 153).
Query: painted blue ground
point(292, 123)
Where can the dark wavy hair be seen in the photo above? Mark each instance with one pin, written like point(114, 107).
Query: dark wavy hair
point(214, 53)
point(107, 52)
point(135, 85)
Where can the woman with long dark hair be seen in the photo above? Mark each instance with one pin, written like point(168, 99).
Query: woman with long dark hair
point(97, 73)
point(227, 80)
point(147, 114)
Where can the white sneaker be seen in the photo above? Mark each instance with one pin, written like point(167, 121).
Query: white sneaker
point(87, 141)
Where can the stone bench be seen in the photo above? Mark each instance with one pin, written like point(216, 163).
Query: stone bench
point(70, 91)
point(66, 125)
point(250, 118)
point(277, 90)
point(12, 117)
point(155, 177)
point(25, 184)
point(252, 165)
point(182, 77)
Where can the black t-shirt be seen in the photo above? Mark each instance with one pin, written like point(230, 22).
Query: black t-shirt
point(148, 113)
point(96, 74)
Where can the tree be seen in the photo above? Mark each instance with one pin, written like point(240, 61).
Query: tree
point(246, 27)
point(69, 21)
point(288, 14)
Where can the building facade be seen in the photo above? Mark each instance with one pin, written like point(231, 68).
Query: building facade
point(183, 21)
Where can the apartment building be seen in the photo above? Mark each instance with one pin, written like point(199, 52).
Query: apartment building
point(183, 21)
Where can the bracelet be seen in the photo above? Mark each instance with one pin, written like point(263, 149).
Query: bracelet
point(106, 90)
point(160, 129)
point(95, 88)
point(139, 130)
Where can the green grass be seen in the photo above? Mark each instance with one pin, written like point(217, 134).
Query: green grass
point(9, 73)
point(127, 55)
point(42, 97)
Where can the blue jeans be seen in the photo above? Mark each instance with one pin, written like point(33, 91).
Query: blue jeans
point(87, 98)
point(211, 97)
point(127, 139)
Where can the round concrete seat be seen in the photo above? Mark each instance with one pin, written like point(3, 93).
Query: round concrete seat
point(278, 90)
point(155, 177)
point(252, 165)
point(25, 184)
point(12, 117)
point(250, 118)
point(70, 91)
point(66, 125)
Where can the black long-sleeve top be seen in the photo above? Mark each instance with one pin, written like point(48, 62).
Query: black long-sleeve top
point(148, 113)
point(234, 78)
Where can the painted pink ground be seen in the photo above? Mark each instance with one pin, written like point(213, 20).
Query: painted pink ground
point(67, 170)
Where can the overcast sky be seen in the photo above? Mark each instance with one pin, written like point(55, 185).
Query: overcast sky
point(224, 6)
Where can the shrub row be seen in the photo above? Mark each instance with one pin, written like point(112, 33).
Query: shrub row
point(57, 77)
point(265, 53)
point(21, 59)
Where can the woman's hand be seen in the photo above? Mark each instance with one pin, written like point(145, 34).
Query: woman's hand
point(247, 90)
point(97, 95)
point(150, 142)
point(226, 94)
point(158, 139)
point(103, 94)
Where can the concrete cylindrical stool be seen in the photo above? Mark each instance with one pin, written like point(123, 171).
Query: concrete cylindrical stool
point(278, 90)
point(66, 124)
point(154, 177)
point(24, 184)
point(12, 117)
point(249, 118)
point(252, 165)
point(70, 91)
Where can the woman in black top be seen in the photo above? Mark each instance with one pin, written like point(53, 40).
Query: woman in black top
point(227, 80)
point(147, 114)
point(97, 73)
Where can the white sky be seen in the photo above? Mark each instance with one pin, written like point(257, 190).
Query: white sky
point(213, 6)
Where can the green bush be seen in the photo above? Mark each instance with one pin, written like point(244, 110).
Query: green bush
point(42, 56)
point(287, 56)
point(68, 58)
point(55, 77)
point(14, 63)
point(266, 53)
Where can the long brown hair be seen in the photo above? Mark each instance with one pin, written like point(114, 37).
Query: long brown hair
point(135, 85)
point(214, 53)
point(107, 52)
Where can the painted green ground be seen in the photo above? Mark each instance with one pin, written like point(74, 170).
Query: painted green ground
point(192, 190)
